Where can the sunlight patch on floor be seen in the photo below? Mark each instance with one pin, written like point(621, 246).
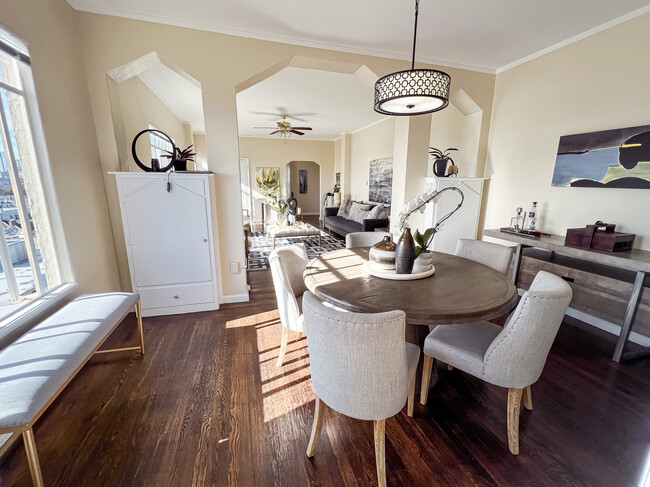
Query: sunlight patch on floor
point(288, 387)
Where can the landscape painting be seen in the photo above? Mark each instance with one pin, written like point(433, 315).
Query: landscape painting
point(380, 181)
point(618, 158)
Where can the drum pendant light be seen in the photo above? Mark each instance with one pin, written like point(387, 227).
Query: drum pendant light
point(414, 91)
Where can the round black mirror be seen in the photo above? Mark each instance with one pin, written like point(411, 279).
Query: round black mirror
point(156, 165)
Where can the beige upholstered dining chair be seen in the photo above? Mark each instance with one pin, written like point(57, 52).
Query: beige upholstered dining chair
point(361, 367)
point(512, 356)
point(287, 266)
point(493, 255)
point(363, 239)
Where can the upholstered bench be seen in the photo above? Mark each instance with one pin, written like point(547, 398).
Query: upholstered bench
point(36, 367)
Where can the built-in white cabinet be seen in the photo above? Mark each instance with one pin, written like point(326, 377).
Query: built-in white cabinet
point(170, 240)
point(463, 223)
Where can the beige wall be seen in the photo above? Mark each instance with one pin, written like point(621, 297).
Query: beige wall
point(220, 63)
point(374, 142)
point(309, 202)
point(266, 152)
point(76, 172)
point(139, 106)
point(599, 83)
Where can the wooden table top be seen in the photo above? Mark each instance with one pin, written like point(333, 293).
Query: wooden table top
point(460, 291)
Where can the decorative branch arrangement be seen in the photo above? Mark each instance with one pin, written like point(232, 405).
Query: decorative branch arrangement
point(421, 200)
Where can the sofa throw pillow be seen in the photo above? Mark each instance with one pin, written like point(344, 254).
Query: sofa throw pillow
point(376, 211)
point(361, 215)
point(344, 209)
point(385, 213)
point(356, 208)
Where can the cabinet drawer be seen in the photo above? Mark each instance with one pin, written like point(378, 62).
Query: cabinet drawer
point(176, 295)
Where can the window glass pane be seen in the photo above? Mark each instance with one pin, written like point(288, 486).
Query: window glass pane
point(9, 70)
point(29, 267)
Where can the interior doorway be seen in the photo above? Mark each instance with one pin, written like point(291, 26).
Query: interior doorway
point(304, 181)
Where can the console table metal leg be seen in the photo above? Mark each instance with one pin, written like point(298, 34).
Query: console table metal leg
point(517, 264)
point(632, 307)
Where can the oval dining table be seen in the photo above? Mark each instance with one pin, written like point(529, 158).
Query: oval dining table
point(460, 290)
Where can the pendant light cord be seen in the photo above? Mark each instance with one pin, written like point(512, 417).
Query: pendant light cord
point(415, 32)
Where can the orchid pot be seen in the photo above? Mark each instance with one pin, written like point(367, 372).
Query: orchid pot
point(423, 262)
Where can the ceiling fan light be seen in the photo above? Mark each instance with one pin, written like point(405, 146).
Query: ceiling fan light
point(412, 92)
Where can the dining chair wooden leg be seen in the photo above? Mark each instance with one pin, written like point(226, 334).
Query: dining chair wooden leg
point(427, 365)
point(283, 345)
point(380, 451)
point(514, 404)
point(528, 399)
point(411, 399)
point(319, 414)
point(32, 458)
point(140, 330)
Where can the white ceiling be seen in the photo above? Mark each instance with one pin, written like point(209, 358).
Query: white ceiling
point(182, 95)
point(474, 34)
point(330, 103)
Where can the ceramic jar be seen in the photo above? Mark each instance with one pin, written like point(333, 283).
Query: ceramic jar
point(423, 262)
point(382, 254)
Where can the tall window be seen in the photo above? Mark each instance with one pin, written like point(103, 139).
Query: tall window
point(27, 253)
point(159, 145)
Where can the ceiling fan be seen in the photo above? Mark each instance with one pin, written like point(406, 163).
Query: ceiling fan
point(284, 128)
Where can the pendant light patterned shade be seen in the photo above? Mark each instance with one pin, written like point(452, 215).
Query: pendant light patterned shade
point(414, 91)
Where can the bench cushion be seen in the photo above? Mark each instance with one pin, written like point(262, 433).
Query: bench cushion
point(34, 367)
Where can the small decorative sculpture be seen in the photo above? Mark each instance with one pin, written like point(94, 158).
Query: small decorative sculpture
point(155, 163)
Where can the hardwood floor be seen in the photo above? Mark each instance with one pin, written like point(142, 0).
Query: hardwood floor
point(208, 406)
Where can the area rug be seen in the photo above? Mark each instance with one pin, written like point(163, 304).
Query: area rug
point(261, 247)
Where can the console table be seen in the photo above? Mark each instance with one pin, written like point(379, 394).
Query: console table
point(606, 278)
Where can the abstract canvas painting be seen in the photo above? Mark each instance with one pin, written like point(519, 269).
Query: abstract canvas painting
point(302, 181)
point(380, 181)
point(617, 158)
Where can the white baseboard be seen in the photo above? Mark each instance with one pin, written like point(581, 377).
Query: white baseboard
point(601, 324)
point(235, 298)
point(607, 326)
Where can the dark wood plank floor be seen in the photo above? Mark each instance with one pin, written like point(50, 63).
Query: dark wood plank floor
point(208, 406)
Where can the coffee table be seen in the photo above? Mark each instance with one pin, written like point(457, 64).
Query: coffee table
point(300, 229)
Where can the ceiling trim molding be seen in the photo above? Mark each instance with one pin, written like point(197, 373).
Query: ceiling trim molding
point(367, 126)
point(280, 139)
point(576, 38)
point(162, 19)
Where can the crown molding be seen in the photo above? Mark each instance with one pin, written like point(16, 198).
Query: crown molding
point(190, 24)
point(80, 5)
point(576, 38)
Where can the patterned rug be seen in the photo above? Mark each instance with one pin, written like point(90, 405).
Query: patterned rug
point(261, 247)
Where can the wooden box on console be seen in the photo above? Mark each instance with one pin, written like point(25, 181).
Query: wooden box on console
point(595, 290)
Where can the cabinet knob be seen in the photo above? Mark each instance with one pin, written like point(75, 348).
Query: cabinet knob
point(176, 297)
point(205, 239)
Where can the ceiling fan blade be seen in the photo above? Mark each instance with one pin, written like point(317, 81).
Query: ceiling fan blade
point(296, 132)
point(265, 128)
point(302, 128)
point(274, 132)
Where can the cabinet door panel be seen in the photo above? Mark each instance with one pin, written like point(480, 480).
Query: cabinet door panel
point(168, 234)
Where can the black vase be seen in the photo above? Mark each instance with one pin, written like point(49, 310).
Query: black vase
point(405, 253)
point(180, 164)
point(440, 167)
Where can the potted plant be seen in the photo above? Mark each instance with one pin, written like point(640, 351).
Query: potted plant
point(442, 159)
point(180, 157)
point(280, 207)
point(423, 256)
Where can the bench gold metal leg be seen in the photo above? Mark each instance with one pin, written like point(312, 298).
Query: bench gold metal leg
point(32, 458)
point(139, 311)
